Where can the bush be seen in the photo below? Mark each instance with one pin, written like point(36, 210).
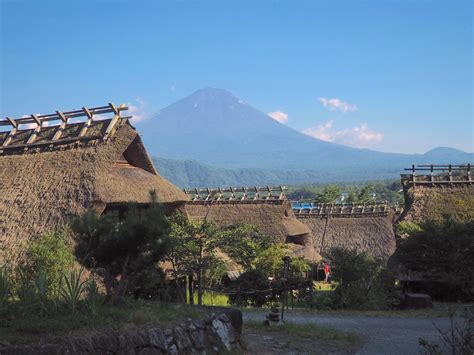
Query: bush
point(406, 228)
point(252, 280)
point(363, 282)
point(50, 254)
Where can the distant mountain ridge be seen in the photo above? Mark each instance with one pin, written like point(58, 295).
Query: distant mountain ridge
point(216, 128)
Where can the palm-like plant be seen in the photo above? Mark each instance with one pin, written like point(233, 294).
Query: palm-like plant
point(72, 289)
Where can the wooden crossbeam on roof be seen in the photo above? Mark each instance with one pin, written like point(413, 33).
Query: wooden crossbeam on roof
point(37, 129)
point(41, 121)
point(12, 132)
point(61, 127)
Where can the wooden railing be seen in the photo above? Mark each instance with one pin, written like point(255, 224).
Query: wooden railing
point(237, 194)
point(438, 174)
point(59, 121)
point(302, 210)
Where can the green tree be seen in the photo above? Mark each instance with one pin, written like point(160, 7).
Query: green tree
point(123, 250)
point(270, 260)
point(50, 254)
point(363, 281)
point(329, 194)
point(365, 194)
point(443, 254)
point(244, 244)
point(197, 250)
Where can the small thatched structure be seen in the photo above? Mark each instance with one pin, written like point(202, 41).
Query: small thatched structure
point(59, 167)
point(373, 234)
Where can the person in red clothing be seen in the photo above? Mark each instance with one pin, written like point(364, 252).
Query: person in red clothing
point(326, 272)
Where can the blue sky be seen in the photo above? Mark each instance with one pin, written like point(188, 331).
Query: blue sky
point(387, 75)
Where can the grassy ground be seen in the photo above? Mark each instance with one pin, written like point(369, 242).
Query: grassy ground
point(210, 298)
point(290, 338)
point(31, 327)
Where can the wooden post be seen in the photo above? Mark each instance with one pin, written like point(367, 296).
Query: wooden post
point(469, 173)
point(413, 174)
point(450, 174)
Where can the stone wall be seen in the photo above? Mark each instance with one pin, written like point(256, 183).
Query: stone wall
point(211, 335)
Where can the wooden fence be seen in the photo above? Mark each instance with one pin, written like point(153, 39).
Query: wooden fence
point(305, 210)
point(238, 194)
point(437, 175)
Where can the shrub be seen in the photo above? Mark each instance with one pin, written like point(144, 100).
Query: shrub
point(248, 282)
point(363, 282)
point(406, 228)
point(50, 254)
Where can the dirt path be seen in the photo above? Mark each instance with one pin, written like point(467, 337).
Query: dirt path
point(384, 335)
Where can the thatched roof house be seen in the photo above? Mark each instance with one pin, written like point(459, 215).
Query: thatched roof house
point(273, 217)
point(54, 166)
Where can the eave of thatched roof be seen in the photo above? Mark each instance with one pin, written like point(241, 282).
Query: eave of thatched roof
point(294, 227)
point(42, 187)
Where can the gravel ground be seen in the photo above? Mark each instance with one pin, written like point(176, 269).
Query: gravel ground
point(385, 335)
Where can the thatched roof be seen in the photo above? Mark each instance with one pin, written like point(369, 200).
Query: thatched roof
point(373, 235)
point(275, 219)
point(43, 183)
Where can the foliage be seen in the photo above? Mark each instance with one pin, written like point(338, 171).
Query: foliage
point(193, 249)
point(253, 289)
point(50, 254)
point(443, 253)
point(364, 282)
point(358, 192)
point(244, 244)
point(270, 260)
point(124, 250)
point(6, 287)
point(93, 298)
point(329, 194)
point(407, 228)
point(72, 289)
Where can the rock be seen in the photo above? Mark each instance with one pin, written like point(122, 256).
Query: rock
point(222, 332)
point(173, 350)
point(198, 339)
point(416, 301)
point(149, 351)
point(181, 338)
point(223, 318)
point(158, 339)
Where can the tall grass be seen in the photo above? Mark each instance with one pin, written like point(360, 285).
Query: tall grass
point(5, 287)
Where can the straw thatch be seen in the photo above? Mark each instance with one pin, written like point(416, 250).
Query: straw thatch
point(433, 202)
point(373, 235)
point(42, 186)
point(275, 219)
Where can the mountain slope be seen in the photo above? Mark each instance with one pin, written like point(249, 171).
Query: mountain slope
point(217, 128)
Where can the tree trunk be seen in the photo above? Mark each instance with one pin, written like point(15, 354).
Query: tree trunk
point(199, 276)
point(191, 289)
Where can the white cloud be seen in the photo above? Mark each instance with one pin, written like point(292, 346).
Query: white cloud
point(359, 136)
point(173, 87)
point(136, 110)
point(279, 116)
point(337, 105)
